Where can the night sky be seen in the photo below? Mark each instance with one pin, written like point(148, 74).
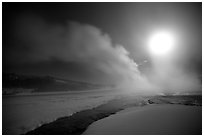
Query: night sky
point(98, 42)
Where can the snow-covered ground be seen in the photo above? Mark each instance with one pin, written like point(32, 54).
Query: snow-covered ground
point(21, 113)
point(151, 120)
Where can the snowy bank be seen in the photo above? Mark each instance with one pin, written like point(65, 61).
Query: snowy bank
point(151, 119)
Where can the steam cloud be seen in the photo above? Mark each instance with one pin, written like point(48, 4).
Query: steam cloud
point(76, 42)
point(86, 44)
point(174, 78)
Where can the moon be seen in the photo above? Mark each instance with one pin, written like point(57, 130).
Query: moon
point(161, 43)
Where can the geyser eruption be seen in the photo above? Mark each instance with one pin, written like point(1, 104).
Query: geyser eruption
point(77, 43)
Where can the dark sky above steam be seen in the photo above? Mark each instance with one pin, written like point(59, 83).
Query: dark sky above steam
point(96, 42)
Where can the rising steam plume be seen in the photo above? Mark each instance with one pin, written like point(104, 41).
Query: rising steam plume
point(86, 44)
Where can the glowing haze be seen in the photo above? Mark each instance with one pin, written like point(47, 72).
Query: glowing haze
point(166, 73)
point(65, 44)
point(161, 43)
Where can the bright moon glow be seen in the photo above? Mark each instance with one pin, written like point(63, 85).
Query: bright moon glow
point(161, 43)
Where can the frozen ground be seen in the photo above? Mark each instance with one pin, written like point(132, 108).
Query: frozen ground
point(153, 119)
point(72, 112)
point(25, 112)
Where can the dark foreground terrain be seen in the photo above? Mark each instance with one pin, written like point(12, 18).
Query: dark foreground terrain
point(78, 122)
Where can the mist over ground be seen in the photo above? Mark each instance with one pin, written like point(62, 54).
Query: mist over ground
point(87, 45)
point(79, 42)
point(76, 63)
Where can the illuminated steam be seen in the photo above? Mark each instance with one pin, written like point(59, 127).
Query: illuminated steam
point(86, 44)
